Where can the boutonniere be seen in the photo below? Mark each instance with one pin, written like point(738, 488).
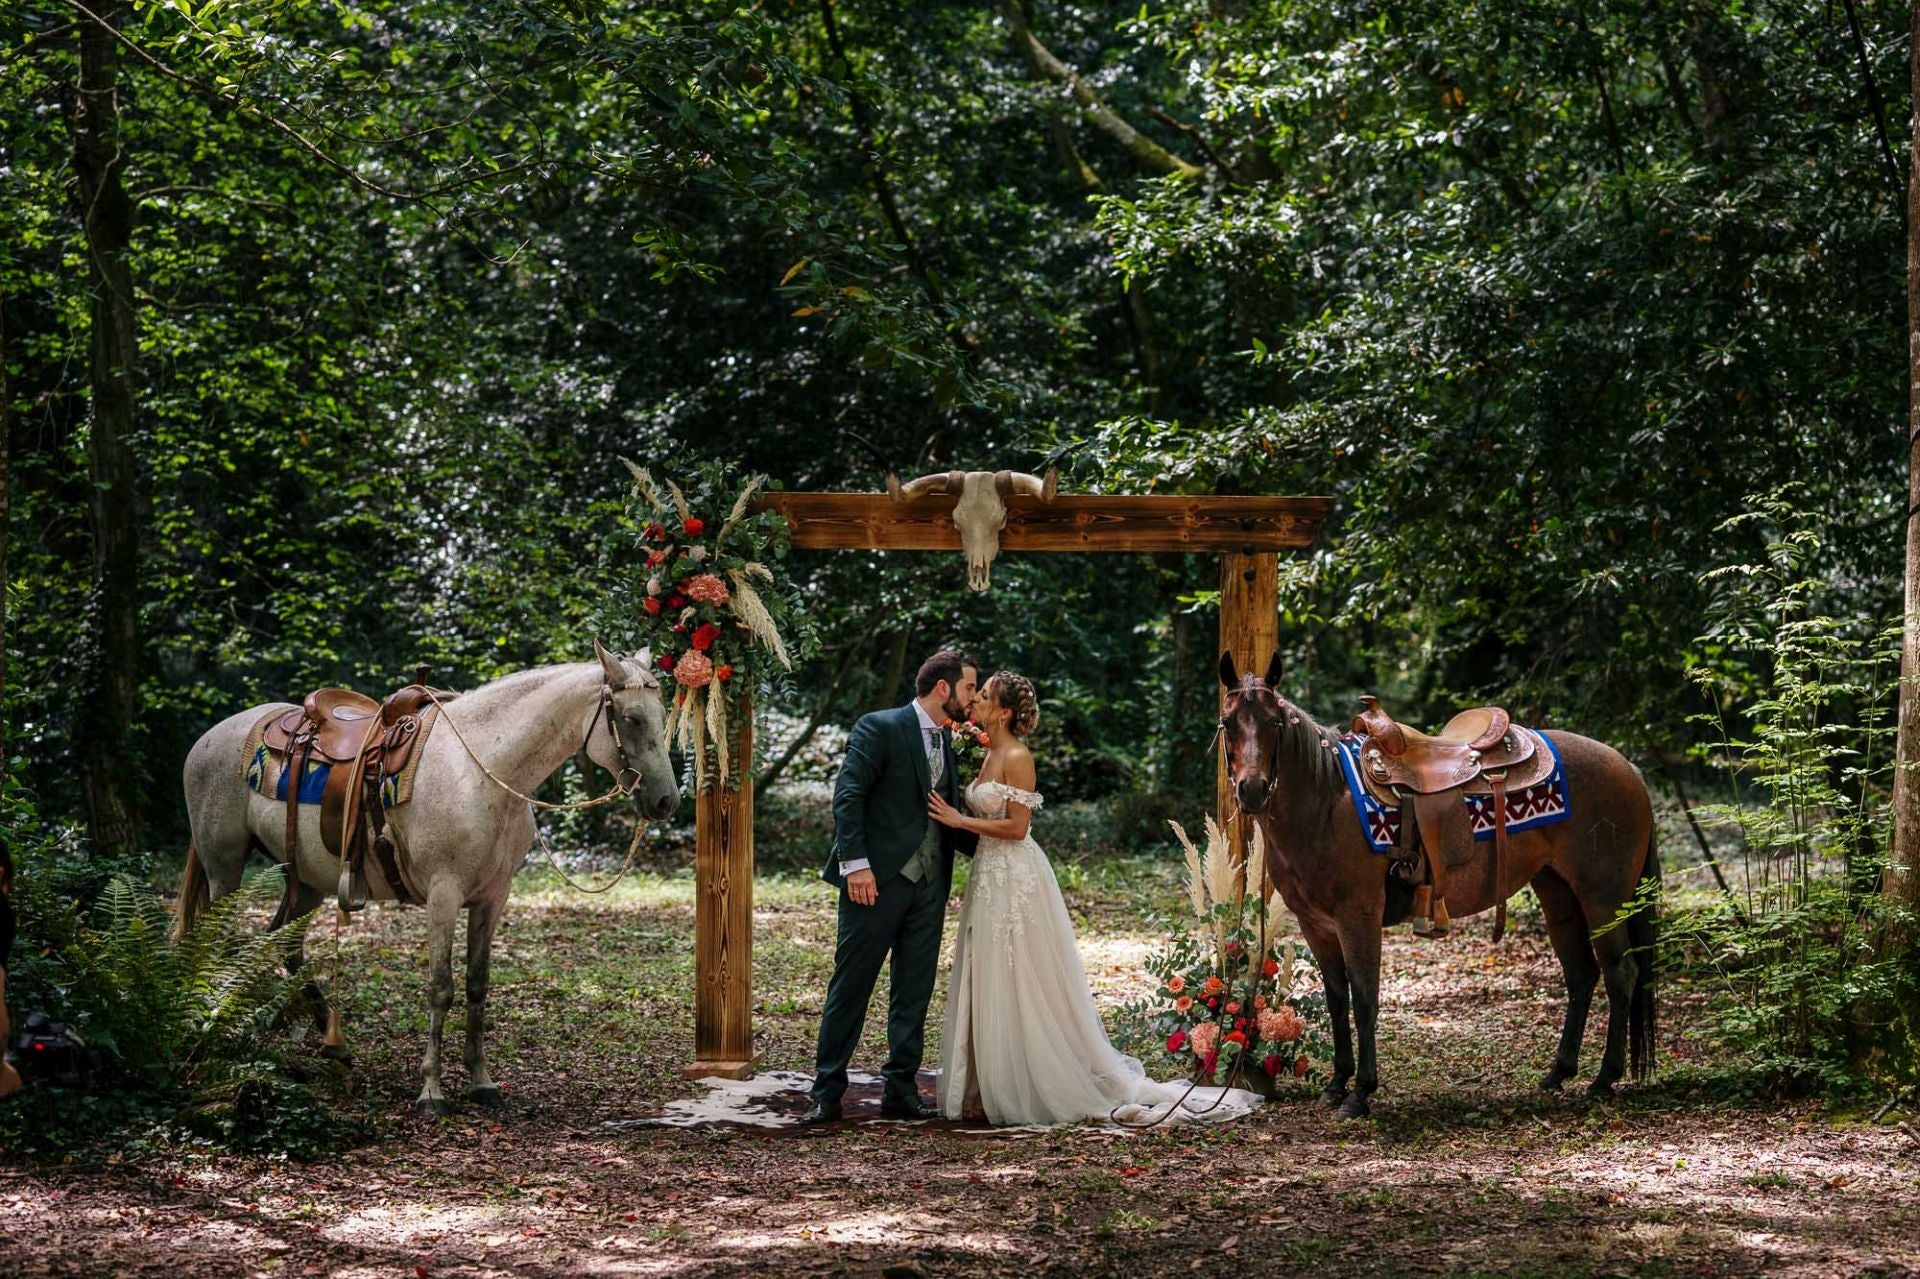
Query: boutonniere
point(969, 742)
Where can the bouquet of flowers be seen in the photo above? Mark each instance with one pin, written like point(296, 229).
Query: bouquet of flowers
point(969, 745)
point(1225, 1003)
point(707, 602)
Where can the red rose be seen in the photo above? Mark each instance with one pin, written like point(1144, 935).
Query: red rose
point(1208, 1062)
point(1236, 1037)
point(1233, 948)
point(655, 533)
point(679, 628)
point(694, 526)
point(1272, 968)
point(656, 557)
point(725, 671)
point(1176, 1041)
point(1214, 1004)
point(1274, 1064)
point(706, 635)
point(676, 601)
point(664, 661)
point(1300, 1067)
point(1240, 1023)
point(652, 604)
point(1233, 1005)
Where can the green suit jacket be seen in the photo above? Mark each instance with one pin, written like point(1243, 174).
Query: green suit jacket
point(880, 798)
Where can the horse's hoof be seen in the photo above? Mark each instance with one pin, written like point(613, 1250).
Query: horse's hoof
point(1331, 1096)
point(432, 1108)
point(1600, 1088)
point(337, 1052)
point(1355, 1107)
point(488, 1096)
point(1551, 1081)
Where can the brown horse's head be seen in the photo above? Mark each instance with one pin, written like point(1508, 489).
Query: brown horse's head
point(1250, 725)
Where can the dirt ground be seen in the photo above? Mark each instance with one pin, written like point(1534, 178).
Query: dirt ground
point(1464, 1168)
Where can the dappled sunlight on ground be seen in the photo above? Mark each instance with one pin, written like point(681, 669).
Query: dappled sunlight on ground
point(1465, 1166)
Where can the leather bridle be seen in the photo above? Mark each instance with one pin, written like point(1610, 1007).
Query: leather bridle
point(612, 719)
point(1268, 783)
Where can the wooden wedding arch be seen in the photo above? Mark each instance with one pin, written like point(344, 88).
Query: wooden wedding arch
point(1247, 532)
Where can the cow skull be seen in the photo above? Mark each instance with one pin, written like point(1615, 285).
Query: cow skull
point(981, 512)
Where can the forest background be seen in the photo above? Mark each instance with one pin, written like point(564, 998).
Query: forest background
point(325, 326)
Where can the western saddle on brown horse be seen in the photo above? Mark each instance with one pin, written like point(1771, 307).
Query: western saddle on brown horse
point(366, 742)
point(1479, 752)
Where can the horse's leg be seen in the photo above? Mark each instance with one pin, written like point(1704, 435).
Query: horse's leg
point(1620, 971)
point(1360, 951)
point(1567, 927)
point(306, 899)
point(1333, 974)
point(443, 907)
point(481, 918)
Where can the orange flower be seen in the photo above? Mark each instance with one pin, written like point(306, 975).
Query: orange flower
point(1176, 984)
point(1213, 986)
point(1272, 968)
point(1259, 1003)
point(1282, 1025)
point(1233, 1006)
point(1183, 1003)
point(1205, 1038)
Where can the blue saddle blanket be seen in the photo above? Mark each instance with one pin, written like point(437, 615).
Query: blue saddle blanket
point(1538, 805)
point(313, 781)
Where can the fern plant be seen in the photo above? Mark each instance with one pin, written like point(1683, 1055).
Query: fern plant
point(193, 1011)
point(1806, 723)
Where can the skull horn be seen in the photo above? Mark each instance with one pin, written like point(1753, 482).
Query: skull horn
point(1030, 485)
point(938, 482)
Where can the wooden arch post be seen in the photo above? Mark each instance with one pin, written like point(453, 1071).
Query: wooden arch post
point(1246, 532)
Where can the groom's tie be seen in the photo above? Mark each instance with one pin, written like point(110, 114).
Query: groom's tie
point(922, 860)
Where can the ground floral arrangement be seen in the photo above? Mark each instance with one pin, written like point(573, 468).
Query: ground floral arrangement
point(708, 601)
point(1225, 1006)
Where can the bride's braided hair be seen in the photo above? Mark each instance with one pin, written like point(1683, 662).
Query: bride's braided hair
point(1015, 692)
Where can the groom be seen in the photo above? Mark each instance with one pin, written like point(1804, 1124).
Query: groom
point(894, 868)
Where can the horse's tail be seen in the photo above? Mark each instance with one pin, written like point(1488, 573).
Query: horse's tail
point(194, 894)
point(1643, 934)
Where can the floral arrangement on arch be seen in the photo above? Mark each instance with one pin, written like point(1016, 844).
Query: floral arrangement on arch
point(707, 602)
point(1225, 1005)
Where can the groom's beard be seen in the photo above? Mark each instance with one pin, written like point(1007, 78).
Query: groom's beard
point(953, 709)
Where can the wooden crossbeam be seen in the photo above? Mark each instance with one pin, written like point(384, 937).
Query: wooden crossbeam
point(1071, 522)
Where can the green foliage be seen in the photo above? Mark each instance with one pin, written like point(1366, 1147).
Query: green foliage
point(1805, 945)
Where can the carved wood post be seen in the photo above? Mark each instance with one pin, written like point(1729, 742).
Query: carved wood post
point(1250, 630)
point(723, 920)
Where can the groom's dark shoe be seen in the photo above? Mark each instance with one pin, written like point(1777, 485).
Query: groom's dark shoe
point(823, 1112)
point(915, 1109)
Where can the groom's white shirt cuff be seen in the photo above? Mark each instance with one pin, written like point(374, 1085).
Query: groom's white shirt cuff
point(926, 725)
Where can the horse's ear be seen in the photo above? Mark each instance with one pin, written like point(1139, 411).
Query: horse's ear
point(1273, 670)
point(644, 658)
point(1228, 675)
point(610, 665)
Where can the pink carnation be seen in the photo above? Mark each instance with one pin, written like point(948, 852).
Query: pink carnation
point(1205, 1038)
point(1282, 1025)
point(707, 588)
point(694, 669)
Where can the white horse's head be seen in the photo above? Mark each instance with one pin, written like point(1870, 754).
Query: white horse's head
point(640, 715)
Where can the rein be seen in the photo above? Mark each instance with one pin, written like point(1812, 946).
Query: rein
point(622, 788)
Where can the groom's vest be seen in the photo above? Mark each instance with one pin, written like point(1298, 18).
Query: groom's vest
point(927, 856)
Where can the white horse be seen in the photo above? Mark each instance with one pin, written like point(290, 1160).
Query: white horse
point(463, 835)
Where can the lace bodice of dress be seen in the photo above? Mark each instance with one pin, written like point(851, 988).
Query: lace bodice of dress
point(989, 799)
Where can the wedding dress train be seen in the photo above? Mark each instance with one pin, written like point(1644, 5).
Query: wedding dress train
point(1023, 1040)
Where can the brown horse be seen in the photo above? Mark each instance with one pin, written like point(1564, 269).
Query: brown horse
point(1587, 872)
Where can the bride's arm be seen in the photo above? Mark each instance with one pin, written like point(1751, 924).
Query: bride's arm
point(1019, 818)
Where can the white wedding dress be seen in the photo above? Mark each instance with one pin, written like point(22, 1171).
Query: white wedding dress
point(1023, 1041)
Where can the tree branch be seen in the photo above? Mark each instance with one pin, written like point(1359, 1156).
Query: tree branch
point(1137, 144)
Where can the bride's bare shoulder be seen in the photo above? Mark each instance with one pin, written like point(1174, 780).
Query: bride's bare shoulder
point(1019, 766)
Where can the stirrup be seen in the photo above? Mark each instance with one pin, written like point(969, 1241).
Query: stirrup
point(351, 893)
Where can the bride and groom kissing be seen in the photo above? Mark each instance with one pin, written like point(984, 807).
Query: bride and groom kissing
point(1023, 1042)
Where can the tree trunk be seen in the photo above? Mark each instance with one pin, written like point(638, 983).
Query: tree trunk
point(108, 771)
point(6, 525)
point(1903, 869)
point(896, 670)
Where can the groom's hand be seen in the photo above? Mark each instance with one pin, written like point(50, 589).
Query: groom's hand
point(863, 888)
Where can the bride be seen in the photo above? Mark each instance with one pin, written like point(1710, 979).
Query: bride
point(1023, 1043)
